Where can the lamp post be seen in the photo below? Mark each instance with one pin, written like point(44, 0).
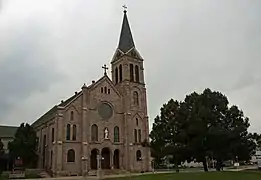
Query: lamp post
point(98, 166)
point(99, 158)
point(85, 160)
point(132, 166)
point(141, 160)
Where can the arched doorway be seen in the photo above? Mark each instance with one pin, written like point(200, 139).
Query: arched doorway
point(93, 158)
point(116, 159)
point(105, 162)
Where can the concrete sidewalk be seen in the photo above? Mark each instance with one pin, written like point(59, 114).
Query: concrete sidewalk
point(103, 177)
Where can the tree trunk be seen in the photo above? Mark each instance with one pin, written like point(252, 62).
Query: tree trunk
point(205, 165)
point(177, 166)
point(218, 165)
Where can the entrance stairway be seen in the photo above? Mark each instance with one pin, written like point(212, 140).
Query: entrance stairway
point(44, 174)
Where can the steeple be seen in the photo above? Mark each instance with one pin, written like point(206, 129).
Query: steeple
point(126, 41)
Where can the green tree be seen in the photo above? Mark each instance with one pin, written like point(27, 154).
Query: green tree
point(24, 145)
point(200, 127)
point(161, 133)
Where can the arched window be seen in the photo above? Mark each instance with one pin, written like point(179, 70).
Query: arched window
point(74, 133)
point(135, 135)
point(71, 156)
point(94, 132)
point(131, 73)
point(101, 89)
point(139, 135)
point(68, 132)
point(72, 116)
point(138, 155)
point(52, 134)
point(135, 98)
point(120, 73)
point(116, 134)
point(137, 75)
point(116, 75)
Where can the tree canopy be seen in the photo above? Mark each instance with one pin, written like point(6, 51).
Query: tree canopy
point(24, 145)
point(202, 126)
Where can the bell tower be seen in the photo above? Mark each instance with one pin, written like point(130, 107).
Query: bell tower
point(128, 78)
point(127, 64)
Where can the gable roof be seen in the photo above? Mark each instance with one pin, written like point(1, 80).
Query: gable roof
point(105, 77)
point(7, 131)
point(51, 113)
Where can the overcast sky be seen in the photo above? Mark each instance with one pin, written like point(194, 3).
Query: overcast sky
point(49, 48)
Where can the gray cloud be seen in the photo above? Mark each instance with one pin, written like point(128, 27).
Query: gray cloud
point(25, 66)
point(187, 46)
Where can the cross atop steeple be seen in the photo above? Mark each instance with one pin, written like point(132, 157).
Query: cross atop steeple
point(125, 8)
point(105, 69)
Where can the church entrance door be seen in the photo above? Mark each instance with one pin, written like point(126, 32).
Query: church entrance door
point(116, 159)
point(93, 158)
point(105, 162)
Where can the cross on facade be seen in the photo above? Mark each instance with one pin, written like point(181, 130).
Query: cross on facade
point(105, 69)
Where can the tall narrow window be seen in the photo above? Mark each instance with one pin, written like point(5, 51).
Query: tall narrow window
point(138, 155)
point(71, 156)
point(135, 98)
point(94, 132)
point(135, 135)
point(74, 133)
point(120, 73)
point(137, 75)
point(109, 91)
point(137, 122)
point(51, 163)
point(52, 134)
point(101, 89)
point(72, 116)
point(139, 135)
point(131, 73)
point(105, 90)
point(116, 134)
point(116, 75)
point(68, 132)
point(44, 140)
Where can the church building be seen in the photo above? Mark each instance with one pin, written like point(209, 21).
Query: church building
point(105, 125)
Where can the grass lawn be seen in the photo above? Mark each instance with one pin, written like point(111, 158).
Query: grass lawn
point(28, 175)
point(199, 176)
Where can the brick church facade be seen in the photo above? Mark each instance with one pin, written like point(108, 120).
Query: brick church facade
point(105, 124)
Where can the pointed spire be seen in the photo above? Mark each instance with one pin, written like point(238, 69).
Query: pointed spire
point(126, 41)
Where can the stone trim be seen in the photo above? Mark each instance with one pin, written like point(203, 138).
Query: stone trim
point(60, 115)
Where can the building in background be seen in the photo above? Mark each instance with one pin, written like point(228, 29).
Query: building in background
point(7, 134)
